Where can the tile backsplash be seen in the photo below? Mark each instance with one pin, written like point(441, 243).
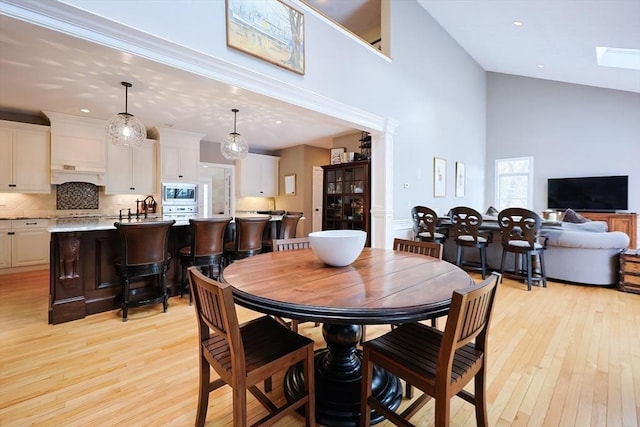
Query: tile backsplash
point(45, 205)
point(76, 195)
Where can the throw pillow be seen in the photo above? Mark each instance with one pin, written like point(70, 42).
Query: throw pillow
point(492, 211)
point(572, 216)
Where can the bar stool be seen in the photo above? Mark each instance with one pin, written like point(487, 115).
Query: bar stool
point(519, 228)
point(206, 249)
point(144, 252)
point(465, 223)
point(425, 221)
point(287, 230)
point(248, 238)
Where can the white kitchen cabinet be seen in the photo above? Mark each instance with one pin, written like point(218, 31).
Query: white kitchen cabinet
point(78, 149)
point(131, 170)
point(178, 155)
point(257, 176)
point(24, 242)
point(5, 243)
point(180, 163)
point(24, 162)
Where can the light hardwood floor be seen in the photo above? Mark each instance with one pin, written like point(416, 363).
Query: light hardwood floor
point(562, 356)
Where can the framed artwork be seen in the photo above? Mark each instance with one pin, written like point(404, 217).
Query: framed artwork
point(267, 29)
point(336, 155)
point(460, 172)
point(290, 185)
point(439, 177)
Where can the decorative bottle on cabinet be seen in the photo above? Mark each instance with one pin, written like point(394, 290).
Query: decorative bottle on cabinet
point(347, 197)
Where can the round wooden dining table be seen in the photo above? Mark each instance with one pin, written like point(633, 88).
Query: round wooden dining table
point(382, 286)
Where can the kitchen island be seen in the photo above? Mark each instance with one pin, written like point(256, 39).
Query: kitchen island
point(83, 278)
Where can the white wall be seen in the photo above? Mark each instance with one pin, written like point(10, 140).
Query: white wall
point(570, 130)
point(431, 87)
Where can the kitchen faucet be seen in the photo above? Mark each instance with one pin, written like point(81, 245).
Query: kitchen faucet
point(128, 214)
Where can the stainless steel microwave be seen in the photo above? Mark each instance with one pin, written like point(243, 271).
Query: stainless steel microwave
point(179, 194)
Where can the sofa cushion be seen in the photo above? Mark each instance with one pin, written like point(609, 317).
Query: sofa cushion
point(573, 217)
point(590, 226)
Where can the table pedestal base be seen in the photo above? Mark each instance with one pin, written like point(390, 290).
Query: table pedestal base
point(338, 378)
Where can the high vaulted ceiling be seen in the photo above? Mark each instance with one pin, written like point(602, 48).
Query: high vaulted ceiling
point(45, 70)
point(560, 35)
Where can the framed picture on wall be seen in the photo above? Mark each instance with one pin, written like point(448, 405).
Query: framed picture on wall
point(439, 177)
point(336, 155)
point(267, 29)
point(460, 177)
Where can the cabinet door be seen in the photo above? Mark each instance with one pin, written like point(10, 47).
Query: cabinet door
point(258, 176)
point(180, 163)
point(269, 176)
point(30, 247)
point(189, 163)
point(6, 159)
point(32, 166)
point(119, 170)
point(170, 158)
point(144, 168)
point(5, 244)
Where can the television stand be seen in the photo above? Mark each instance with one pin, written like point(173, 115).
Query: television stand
point(625, 222)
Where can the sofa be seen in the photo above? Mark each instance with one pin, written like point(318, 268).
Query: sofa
point(584, 253)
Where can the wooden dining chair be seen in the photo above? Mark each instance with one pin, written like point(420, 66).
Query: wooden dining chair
point(246, 355)
point(290, 244)
point(438, 363)
point(431, 249)
point(280, 245)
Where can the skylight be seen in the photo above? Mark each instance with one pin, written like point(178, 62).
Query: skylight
point(618, 57)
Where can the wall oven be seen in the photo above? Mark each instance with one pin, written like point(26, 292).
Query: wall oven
point(179, 194)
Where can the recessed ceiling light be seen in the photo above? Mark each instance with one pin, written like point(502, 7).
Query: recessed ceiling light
point(618, 57)
point(85, 110)
point(278, 122)
point(517, 23)
point(540, 66)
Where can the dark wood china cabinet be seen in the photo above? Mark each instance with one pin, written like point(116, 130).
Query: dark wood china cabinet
point(347, 197)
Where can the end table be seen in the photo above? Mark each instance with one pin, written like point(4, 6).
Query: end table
point(630, 271)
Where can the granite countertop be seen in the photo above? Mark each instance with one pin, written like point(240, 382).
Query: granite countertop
point(65, 225)
point(96, 223)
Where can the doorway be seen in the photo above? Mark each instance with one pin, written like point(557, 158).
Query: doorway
point(216, 190)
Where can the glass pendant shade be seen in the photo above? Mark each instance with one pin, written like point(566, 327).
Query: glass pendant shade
point(234, 146)
point(124, 129)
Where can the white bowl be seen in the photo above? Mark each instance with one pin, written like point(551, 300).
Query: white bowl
point(337, 247)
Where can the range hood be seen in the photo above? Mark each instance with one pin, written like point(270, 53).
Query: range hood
point(78, 149)
point(61, 176)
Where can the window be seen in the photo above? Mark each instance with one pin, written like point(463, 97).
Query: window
point(514, 183)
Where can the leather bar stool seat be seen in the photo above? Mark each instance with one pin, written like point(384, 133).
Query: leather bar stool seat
point(206, 249)
point(248, 238)
point(286, 230)
point(144, 252)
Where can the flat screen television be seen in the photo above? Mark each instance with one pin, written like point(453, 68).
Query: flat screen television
point(595, 194)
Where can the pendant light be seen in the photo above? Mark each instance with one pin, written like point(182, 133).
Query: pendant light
point(123, 128)
point(234, 146)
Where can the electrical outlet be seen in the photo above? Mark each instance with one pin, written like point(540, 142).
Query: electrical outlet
point(3, 201)
point(119, 201)
point(406, 185)
point(409, 203)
